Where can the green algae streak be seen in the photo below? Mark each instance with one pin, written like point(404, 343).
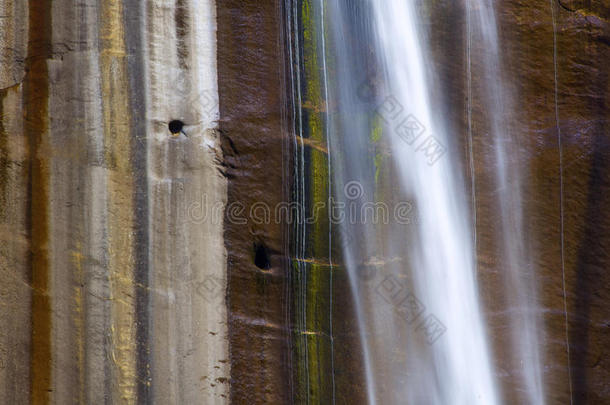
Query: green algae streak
point(313, 350)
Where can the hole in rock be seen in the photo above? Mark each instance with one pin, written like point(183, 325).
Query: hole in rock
point(261, 257)
point(175, 126)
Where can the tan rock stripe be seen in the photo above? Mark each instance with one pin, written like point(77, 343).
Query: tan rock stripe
point(120, 203)
point(189, 353)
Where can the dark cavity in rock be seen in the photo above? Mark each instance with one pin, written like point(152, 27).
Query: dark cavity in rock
point(261, 257)
point(175, 126)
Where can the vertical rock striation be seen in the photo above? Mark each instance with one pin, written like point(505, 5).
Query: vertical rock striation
point(113, 281)
point(137, 266)
point(254, 135)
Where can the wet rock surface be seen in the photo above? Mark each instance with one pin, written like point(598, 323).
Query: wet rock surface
point(553, 58)
point(115, 289)
point(250, 80)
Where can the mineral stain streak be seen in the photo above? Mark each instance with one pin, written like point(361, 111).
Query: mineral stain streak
point(120, 210)
point(36, 97)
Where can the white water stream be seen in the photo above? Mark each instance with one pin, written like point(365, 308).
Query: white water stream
point(421, 324)
point(457, 368)
point(517, 267)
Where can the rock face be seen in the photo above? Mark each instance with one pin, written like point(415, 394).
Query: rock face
point(113, 276)
point(136, 265)
point(553, 57)
point(552, 60)
point(254, 136)
point(582, 118)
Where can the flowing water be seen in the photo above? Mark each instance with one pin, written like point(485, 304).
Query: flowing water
point(407, 216)
point(494, 93)
point(414, 280)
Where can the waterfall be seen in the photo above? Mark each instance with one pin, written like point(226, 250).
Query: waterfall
point(517, 267)
point(419, 314)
